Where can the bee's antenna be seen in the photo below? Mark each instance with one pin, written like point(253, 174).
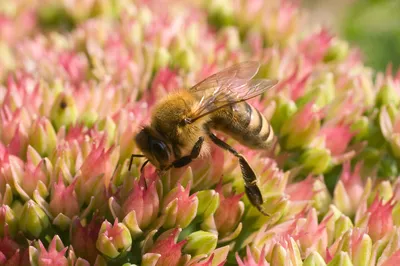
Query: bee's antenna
point(143, 165)
point(131, 161)
point(141, 173)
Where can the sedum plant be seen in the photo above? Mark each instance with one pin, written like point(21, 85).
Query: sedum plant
point(78, 79)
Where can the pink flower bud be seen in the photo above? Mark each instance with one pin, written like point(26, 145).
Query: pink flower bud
point(380, 221)
point(314, 47)
point(64, 200)
point(180, 207)
point(250, 260)
point(85, 249)
point(11, 254)
point(169, 249)
point(337, 138)
point(75, 65)
point(229, 212)
point(31, 177)
point(144, 201)
point(52, 257)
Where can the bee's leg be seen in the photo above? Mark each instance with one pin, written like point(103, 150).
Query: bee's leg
point(249, 177)
point(185, 160)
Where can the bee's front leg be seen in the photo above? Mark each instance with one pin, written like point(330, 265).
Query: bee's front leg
point(185, 160)
point(249, 177)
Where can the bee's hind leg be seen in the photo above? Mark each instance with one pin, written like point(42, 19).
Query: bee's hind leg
point(185, 160)
point(249, 177)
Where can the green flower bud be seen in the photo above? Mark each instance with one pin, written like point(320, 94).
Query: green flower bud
point(102, 8)
point(279, 255)
point(396, 214)
point(33, 219)
point(314, 259)
point(337, 51)
point(144, 16)
point(362, 253)
point(162, 58)
point(192, 34)
point(361, 128)
point(64, 111)
point(109, 127)
point(53, 14)
point(394, 142)
point(43, 137)
point(231, 37)
point(6, 57)
point(88, 118)
point(113, 239)
point(322, 199)
point(135, 36)
point(150, 259)
point(130, 221)
point(341, 259)
point(180, 208)
point(342, 199)
point(7, 217)
point(342, 225)
point(322, 92)
point(387, 95)
point(316, 160)
point(299, 130)
point(290, 255)
point(201, 242)
point(271, 68)
point(185, 59)
point(220, 13)
point(285, 108)
point(208, 202)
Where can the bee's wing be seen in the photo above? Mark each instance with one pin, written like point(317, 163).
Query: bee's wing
point(242, 71)
point(229, 86)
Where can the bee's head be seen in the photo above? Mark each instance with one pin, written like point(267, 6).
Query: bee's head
point(155, 149)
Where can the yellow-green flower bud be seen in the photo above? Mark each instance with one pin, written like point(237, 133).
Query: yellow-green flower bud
point(185, 59)
point(337, 51)
point(285, 108)
point(43, 137)
point(7, 217)
point(88, 118)
point(322, 92)
point(113, 239)
point(387, 95)
point(316, 160)
point(314, 259)
point(361, 128)
point(362, 252)
point(299, 130)
point(341, 259)
point(342, 225)
point(162, 58)
point(109, 127)
point(201, 242)
point(33, 219)
point(394, 142)
point(64, 111)
point(208, 202)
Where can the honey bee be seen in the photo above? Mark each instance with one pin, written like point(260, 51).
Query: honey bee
point(182, 123)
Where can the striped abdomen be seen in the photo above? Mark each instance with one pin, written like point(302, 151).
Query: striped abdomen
point(245, 124)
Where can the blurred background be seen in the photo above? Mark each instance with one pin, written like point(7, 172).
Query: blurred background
point(372, 25)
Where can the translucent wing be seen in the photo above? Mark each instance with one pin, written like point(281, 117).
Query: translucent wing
point(231, 85)
point(241, 71)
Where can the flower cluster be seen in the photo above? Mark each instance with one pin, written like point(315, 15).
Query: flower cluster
point(78, 79)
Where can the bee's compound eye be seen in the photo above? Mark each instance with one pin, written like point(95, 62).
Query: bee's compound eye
point(160, 151)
